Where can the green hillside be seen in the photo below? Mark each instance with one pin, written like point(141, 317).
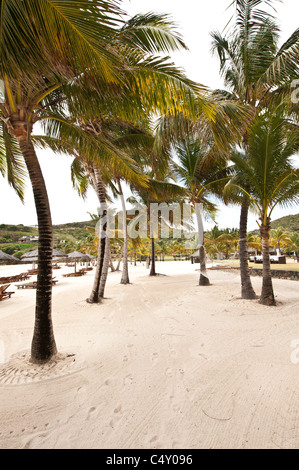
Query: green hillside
point(289, 222)
point(67, 237)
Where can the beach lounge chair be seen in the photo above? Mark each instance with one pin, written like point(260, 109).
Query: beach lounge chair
point(76, 274)
point(3, 292)
point(32, 285)
point(27, 285)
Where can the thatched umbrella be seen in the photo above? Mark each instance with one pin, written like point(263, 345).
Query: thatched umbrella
point(90, 258)
point(77, 256)
point(32, 256)
point(5, 258)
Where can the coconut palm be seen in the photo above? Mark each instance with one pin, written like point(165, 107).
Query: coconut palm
point(48, 51)
point(278, 238)
point(293, 243)
point(202, 172)
point(44, 45)
point(146, 200)
point(254, 241)
point(268, 171)
point(256, 71)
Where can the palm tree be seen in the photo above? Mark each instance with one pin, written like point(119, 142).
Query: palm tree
point(278, 238)
point(158, 191)
point(256, 71)
point(293, 243)
point(60, 48)
point(254, 241)
point(201, 172)
point(132, 99)
point(51, 44)
point(268, 171)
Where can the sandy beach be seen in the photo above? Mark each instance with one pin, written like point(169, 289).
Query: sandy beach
point(161, 364)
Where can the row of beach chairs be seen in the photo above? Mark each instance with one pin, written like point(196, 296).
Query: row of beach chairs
point(4, 294)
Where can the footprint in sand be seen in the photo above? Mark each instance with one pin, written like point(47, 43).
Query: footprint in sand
point(154, 443)
point(169, 372)
point(128, 380)
point(155, 358)
point(91, 412)
point(174, 406)
point(108, 381)
point(117, 415)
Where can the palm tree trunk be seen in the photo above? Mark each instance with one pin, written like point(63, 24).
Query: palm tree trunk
point(153, 265)
point(104, 274)
point(119, 260)
point(267, 295)
point(111, 263)
point(43, 345)
point(247, 291)
point(95, 296)
point(203, 278)
point(125, 274)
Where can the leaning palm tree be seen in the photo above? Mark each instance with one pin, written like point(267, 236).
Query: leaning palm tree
point(256, 71)
point(268, 171)
point(44, 45)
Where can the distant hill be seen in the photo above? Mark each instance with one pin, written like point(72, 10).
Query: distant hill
point(66, 236)
point(288, 222)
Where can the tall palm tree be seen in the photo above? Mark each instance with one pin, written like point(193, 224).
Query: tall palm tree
point(268, 171)
point(202, 173)
point(256, 71)
point(44, 45)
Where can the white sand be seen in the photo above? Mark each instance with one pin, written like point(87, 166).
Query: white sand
point(162, 363)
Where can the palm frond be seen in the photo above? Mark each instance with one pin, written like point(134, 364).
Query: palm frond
point(11, 162)
point(152, 33)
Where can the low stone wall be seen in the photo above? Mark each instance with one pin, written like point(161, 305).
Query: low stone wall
point(277, 273)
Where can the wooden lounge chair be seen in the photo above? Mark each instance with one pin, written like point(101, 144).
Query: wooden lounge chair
point(76, 274)
point(17, 277)
point(32, 285)
point(3, 292)
point(32, 271)
point(27, 285)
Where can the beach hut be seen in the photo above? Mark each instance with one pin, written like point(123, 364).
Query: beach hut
point(7, 259)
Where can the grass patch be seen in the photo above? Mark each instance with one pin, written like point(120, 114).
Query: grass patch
point(290, 266)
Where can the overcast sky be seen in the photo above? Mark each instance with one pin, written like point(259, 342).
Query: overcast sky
point(195, 20)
